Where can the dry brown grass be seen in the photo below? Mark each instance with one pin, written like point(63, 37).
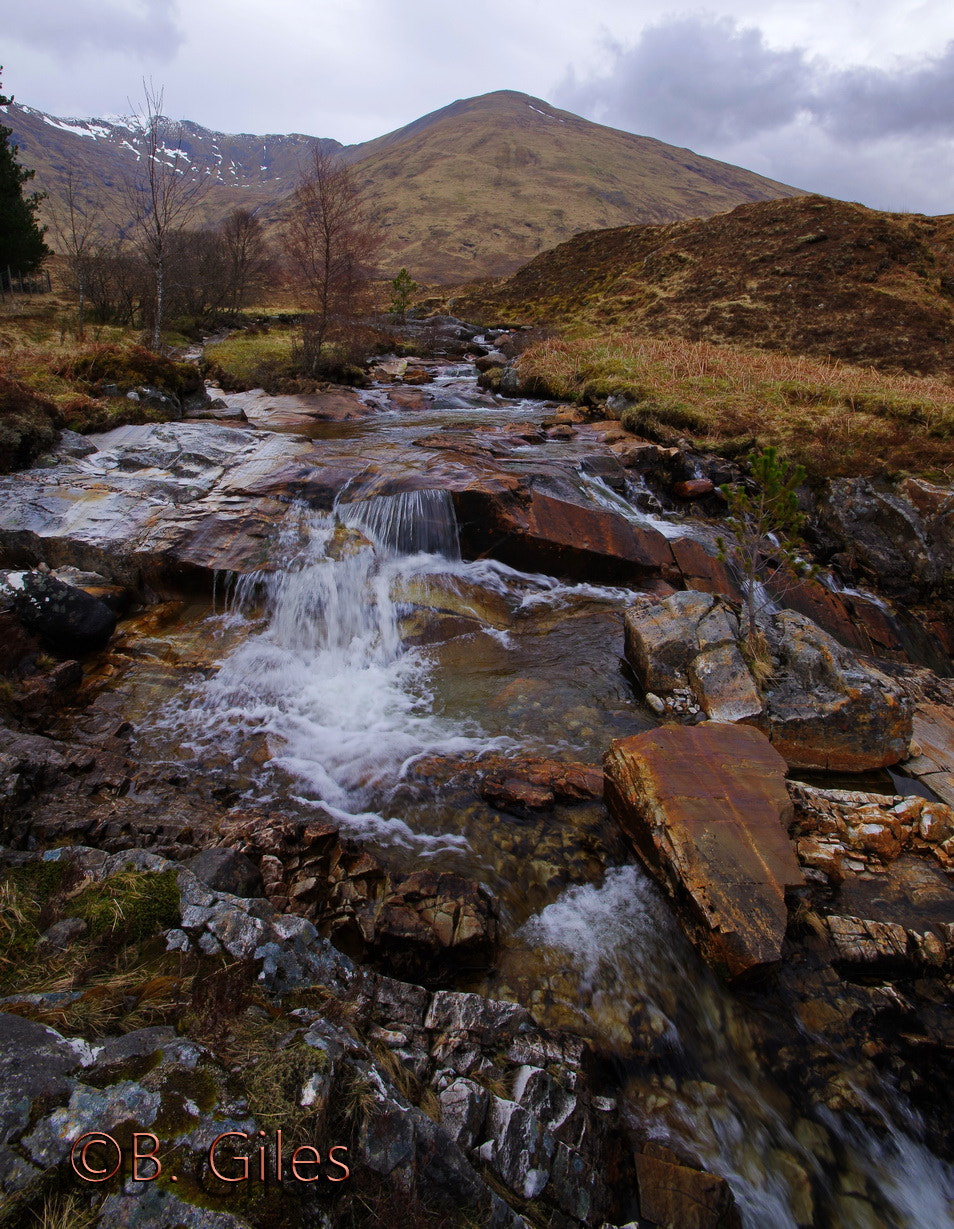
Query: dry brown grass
point(833, 417)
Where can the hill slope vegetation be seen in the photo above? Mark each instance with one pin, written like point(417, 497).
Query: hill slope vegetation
point(471, 190)
point(808, 275)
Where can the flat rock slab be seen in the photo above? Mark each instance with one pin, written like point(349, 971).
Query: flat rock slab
point(287, 411)
point(164, 505)
point(934, 734)
point(707, 809)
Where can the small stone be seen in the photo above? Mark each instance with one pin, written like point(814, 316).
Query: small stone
point(655, 703)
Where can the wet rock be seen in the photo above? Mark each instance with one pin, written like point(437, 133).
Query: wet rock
point(693, 488)
point(227, 870)
point(541, 532)
point(691, 639)
point(933, 728)
point(819, 706)
point(900, 538)
point(707, 810)
point(674, 1196)
point(409, 398)
point(871, 948)
point(68, 620)
point(825, 709)
point(426, 925)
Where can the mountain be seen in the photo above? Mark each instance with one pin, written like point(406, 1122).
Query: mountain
point(472, 190)
point(807, 275)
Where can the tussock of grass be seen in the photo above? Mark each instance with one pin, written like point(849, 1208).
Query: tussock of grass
point(834, 418)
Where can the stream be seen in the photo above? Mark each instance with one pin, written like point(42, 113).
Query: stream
point(318, 686)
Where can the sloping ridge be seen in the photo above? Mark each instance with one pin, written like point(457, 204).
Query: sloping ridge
point(808, 275)
point(474, 189)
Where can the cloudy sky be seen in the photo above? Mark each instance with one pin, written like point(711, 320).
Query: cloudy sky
point(854, 98)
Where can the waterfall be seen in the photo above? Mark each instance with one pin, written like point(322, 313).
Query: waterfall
point(323, 674)
point(408, 522)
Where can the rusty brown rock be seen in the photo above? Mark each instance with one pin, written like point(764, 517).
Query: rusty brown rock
point(693, 488)
point(540, 532)
point(934, 736)
point(707, 810)
point(408, 398)
point(675, 1196)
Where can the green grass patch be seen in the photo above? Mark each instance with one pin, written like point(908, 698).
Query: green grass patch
point(134, 904)
point(252, 359)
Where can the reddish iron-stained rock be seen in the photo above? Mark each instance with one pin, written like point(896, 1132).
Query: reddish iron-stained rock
point(934, 735)
point(524, 785)
point(693, 488)
point(539, 532)
point(699, 568)
point(677, 1196)
point(409, 398)
point(707, 809)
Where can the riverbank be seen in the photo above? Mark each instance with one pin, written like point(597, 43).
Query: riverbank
point(372, 657)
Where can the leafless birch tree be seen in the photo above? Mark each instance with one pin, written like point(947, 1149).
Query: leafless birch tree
point(331, 239)
point(162, 196)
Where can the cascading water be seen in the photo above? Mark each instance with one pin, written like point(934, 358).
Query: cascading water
point(638, 975)
point(325, 675)
point(322, 700)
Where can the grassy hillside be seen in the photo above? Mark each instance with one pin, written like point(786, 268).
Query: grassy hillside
point(808, 276)
point(475, 189)
point(472, 190)
point(834, 418)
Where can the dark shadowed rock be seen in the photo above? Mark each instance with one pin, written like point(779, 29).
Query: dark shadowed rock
point(820, 706)
point(707, 809)
point(227, 870)
point(68, 620)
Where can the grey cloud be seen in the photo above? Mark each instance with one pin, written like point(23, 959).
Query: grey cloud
point(862, 103)
point(696, 79)
point(147, 27)
point(702, 80)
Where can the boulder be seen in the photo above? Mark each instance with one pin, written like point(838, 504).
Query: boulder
point(691, 640)
point(68, 620)
point(900, 538)
point(820, 706)
point(543, 532)
point(674, 1195)
point(824, 708)
point(707, 810)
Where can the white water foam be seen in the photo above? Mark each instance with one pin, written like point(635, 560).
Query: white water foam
point(325, 675)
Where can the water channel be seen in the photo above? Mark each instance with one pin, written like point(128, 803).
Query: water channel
point(319, 686)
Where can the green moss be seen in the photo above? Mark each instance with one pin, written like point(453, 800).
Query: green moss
point(251, 359)
point(134, 904)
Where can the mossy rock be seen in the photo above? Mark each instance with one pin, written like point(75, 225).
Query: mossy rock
point(129, 367)
point(29, 424)
point(132, 905)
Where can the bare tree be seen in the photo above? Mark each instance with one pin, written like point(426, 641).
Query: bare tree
point(162, 197)
point(248, 260)
point(331, 239)
point(79, 227)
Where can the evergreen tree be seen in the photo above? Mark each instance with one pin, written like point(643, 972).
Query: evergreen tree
point(21, 237)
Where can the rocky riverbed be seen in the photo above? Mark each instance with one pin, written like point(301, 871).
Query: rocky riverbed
point(386, 767)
